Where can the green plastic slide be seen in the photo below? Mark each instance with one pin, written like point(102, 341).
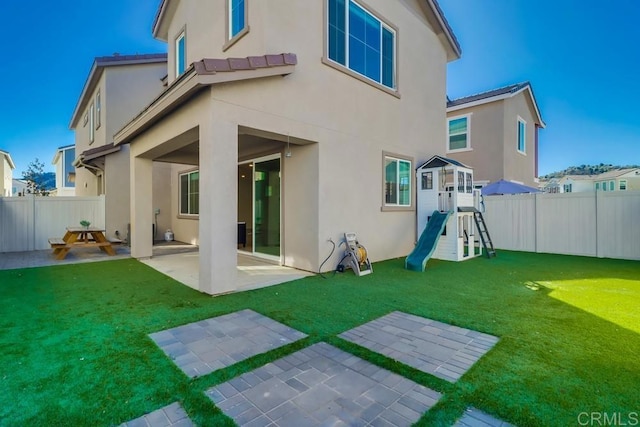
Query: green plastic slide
point(417, 260)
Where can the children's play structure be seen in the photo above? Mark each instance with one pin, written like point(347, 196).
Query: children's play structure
point(449, 224)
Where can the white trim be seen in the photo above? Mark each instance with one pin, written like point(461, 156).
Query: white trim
point(499, 98)
point(524, 135)
point(92, 120)
point(188, 214)
point(411, 184)
point(468, 147)
point(182, 35)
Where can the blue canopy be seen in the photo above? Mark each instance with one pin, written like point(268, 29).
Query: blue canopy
point(507, 187)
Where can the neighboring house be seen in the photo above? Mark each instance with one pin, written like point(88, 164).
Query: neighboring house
point(496, 133)
point(575, 184)
point(6, 174)
point(303, 120)
point(117, 88)
point(550, 186)
point(65, 172)
point(19, 187)
point(617, 180)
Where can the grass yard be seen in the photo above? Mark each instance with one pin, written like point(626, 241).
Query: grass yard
point(75, 349)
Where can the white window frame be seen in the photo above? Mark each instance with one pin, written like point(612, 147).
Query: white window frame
point(188, 214)
point(98, 109)
point(345, 67)
point(233, 38)
point(612, 186)
point(399, 159)
point(92, 129)
point(622, 185)
point(524, 136)
point(468, 147)
point(182, 35)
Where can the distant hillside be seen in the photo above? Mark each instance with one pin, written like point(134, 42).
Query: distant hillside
point(586, 170)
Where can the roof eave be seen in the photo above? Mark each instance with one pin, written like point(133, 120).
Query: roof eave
point(501, 97)
point(9, 159)
point(179, 92)
point(455, 51)
point(156, 28)
point(91, 79)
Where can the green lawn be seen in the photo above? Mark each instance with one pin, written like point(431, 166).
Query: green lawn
point(75, 351)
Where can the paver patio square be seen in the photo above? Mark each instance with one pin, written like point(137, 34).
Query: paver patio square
point(202, 347)
point(424, 344)
point(341, 395)
point(475, 418)
point(170, 416)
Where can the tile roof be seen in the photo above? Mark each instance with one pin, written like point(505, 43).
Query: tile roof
point(210, 66)
point(489, 94)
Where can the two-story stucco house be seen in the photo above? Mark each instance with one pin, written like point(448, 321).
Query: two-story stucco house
point(6, 174)
point(65, 172)
point(496, 133)
point(617, 180)
point(117, 88)
point(301, 119)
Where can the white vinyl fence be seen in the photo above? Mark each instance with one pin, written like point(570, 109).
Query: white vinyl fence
point(26, 223)
point(598, 224)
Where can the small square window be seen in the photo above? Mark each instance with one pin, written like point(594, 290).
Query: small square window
point(427, 181)
point(397, 182)
point(623, 185)
point(458, 133)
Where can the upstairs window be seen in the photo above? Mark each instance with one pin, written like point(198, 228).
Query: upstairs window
point(568, 188)
point(623, 184)
point(181, 59)
point(458, 134)
point(522, 136)
point(98, 110)
point(190, 193)
point(361, 42)
point(237, 17)
point(92, 118)
point(397, 182)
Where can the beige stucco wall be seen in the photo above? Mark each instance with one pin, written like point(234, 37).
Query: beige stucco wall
point(486, 138)
point(125, 90)
point(493, 131)
point(334, 185)
point(517, 166)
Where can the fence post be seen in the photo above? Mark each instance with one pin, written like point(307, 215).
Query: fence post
point(598, 251)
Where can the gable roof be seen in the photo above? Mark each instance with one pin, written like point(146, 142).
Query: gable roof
point(102, 62)
point(439, 161)
point(496, 95)
point(199, 75)
point(7, 156)
point(431, 7)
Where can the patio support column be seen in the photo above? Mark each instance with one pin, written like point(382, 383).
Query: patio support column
point(218, 205)
point(141, 207)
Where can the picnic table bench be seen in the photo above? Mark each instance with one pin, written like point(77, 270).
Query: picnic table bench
point(80, 237)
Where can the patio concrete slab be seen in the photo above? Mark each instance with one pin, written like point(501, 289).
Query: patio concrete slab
point(430, 346)
point(476, 418)
point(322, 385)
point(44, 258)
point(169, 416)
point(253, 273)
point(200, 348)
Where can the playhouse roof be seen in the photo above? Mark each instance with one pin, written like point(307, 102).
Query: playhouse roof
point(439, 161)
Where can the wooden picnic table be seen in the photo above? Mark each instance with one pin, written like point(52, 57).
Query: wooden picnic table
point(81, 237)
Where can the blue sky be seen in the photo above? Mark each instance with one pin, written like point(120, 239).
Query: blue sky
point(582, 58)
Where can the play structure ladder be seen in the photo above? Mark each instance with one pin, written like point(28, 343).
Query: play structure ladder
point(484, 233)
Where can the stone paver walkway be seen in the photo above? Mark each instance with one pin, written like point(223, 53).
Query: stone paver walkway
point(475, 418)
point(203, 347)
point(433, 347)
point(322, 386)
point(169, 416)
